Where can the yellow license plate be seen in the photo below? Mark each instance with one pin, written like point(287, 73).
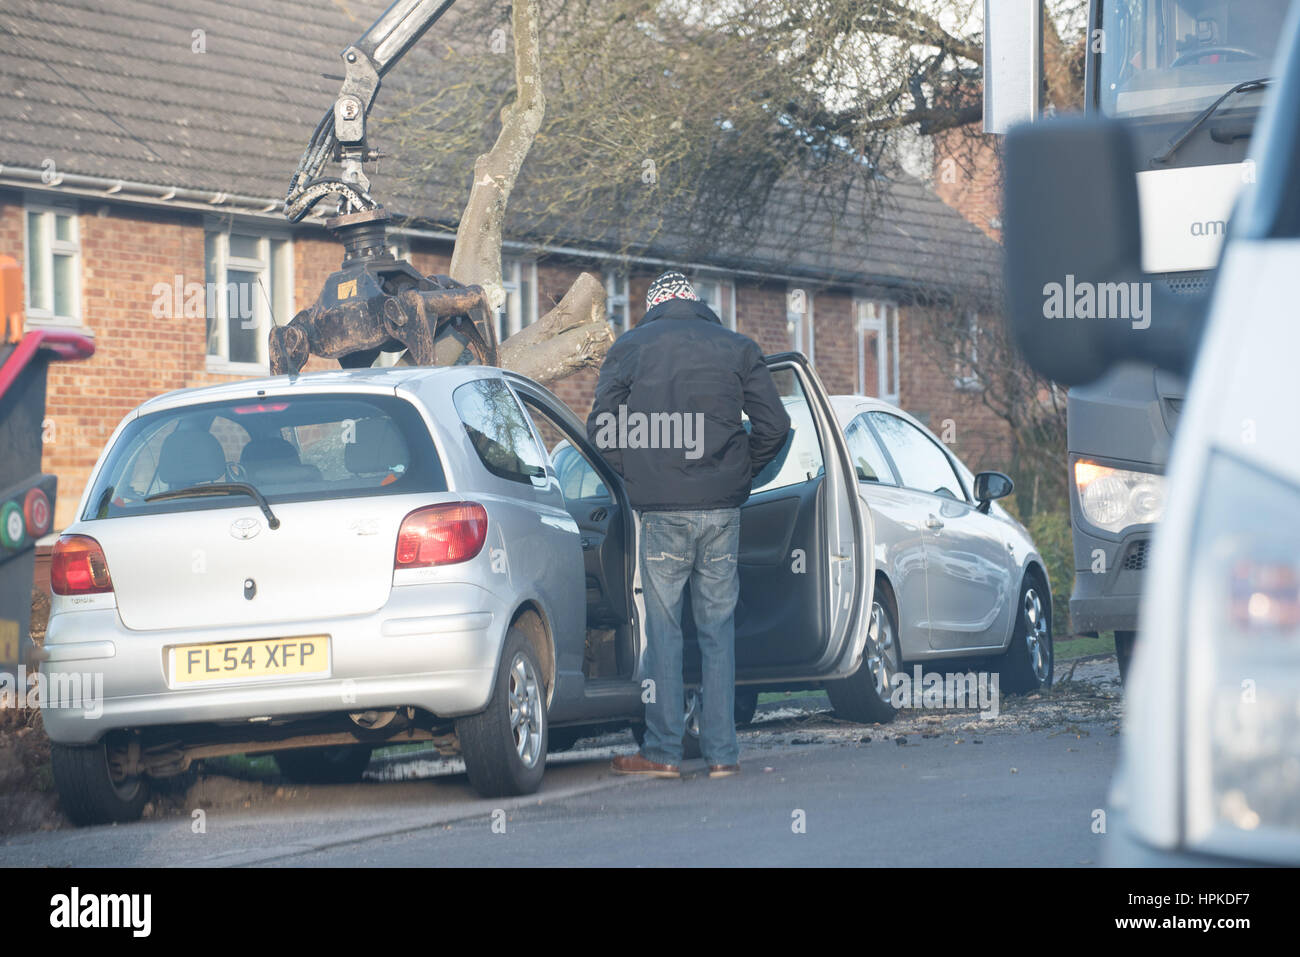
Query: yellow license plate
point(251, 660)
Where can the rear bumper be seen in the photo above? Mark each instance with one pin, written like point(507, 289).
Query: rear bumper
point(432, 646)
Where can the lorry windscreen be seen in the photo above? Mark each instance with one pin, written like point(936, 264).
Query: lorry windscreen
point(1175, 57)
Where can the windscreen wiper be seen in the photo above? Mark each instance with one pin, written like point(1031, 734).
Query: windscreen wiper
point(1177, 142)
point(222, 488)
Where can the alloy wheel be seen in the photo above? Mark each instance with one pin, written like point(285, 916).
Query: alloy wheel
point(1038, 637)
point(526, 710)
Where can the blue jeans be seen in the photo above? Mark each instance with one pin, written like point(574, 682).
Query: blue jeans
point(699, 547)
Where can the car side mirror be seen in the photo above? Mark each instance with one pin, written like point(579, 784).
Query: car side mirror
point(1077, 299)
point(990, 486)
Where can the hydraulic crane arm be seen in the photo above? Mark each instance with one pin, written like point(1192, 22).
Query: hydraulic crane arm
point(341, 133)
point(375, 303)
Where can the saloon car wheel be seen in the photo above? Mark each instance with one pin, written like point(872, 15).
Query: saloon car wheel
point(1027, 663)
point(504, 746)
point(691, 721)
point(92, 788)
point(341, 764)
point(864, 696)
point(746, 706)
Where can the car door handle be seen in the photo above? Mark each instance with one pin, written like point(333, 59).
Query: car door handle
point(934, 523)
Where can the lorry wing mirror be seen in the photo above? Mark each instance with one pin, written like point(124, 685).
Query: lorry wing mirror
point(1077, 299)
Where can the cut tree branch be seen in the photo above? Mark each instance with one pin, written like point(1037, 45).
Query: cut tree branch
point(476, 258)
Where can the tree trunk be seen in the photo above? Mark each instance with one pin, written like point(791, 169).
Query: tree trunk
point(574, 335)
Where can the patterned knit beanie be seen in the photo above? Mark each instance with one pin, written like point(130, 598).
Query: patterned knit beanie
point(671, 285)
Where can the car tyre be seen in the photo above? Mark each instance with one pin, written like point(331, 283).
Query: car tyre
point(338, 764)
point(1124, 642)
point(87, 790)
point(746, 707)
point(691, 739)
point(864, 696)
point(1027, 664)
point(504, 745)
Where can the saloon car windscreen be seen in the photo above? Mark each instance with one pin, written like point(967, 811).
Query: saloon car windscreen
point(290, 449)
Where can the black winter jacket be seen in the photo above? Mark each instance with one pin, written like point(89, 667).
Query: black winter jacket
point(667, 413)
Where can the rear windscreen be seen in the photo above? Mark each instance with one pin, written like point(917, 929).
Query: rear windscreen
point(302, 448)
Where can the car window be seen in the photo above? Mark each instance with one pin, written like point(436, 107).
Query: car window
point(299, 448)
point(868, 461)
point(800, 459)
point(921, 463)
point(498, 430)
point(578, 477)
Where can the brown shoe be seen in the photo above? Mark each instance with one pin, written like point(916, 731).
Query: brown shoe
point(723, 770)
point(638, 764)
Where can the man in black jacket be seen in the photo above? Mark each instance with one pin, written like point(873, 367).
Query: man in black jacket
point(668, 417)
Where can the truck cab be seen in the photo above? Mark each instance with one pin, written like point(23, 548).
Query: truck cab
point(1188, 78)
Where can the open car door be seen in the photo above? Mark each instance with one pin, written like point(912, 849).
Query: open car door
point(806, 547)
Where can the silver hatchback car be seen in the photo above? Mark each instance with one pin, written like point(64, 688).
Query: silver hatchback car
point(314, 566)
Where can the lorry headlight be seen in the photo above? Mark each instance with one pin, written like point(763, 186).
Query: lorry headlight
point(1113, 499)
point(1243, 667)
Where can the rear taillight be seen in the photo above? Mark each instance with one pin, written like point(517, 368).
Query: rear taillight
point(441, 535)
point(78, 567)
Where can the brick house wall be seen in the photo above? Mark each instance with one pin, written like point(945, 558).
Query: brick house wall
point(968, 177)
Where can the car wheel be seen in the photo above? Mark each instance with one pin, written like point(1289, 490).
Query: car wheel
point(90, 790)
point(1027, 663)
point(339, 764)
point(504, 745)
point(864, 696)
point(1124, 642)
point(746, 706)
point(691, 739)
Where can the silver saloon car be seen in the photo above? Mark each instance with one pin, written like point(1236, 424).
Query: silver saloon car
point(956, 576)
point(315, 566)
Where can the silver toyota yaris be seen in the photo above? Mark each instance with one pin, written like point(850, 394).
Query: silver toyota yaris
point(314, 566)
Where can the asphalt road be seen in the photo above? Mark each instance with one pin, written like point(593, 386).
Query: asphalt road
point(1019, 798)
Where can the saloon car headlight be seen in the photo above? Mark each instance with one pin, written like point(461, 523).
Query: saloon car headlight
point(1243, 667)
point(1113, 499)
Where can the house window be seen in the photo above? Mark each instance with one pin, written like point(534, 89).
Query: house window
point(250, 287)
point(799, 320)
point(520, 308)
point(719, 295)
point(966, 375)
point(53, 265)
point(877, 324)
point(616, 301)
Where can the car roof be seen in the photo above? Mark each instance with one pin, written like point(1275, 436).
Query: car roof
point(848, 406)
point(385, 380)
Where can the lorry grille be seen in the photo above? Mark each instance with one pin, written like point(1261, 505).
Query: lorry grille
point(1186, 283)
point(1136, 559)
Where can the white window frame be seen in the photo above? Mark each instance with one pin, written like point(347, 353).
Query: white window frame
point(618, 293)
point(966, 376)
point(513, 273)
point(798, 322)
point(881, 317)
point(726, 291)
point(53, 247)
point(263, 304)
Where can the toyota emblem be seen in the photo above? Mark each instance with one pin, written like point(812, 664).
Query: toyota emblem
point(245, 528)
